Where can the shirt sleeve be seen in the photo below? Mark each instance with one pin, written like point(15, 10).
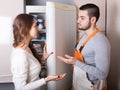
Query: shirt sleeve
point(102, 59)
point(19, 68)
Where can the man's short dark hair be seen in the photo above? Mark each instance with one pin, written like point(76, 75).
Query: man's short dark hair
point(93, 10)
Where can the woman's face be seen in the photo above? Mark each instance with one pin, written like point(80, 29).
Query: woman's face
point(34, 30)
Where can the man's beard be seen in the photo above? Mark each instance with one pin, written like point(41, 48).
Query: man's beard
point(85, 28)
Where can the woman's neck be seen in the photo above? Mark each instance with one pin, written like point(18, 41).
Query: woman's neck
point(25, 47)
point(24, 44)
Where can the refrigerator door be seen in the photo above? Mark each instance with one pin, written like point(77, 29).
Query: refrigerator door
point(61, 38)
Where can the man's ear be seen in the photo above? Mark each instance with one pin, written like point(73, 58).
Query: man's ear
point(93, 19)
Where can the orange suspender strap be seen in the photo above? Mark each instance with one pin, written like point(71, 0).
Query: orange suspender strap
point(89, 37)
point(105, 88)
point(78, 55)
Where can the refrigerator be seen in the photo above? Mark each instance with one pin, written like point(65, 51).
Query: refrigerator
point(60, 35)
point(61, 38)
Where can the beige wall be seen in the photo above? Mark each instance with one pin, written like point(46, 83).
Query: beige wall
point(113, 33)
point(8, 10)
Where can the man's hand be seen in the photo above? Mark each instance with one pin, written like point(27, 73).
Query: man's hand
point(67, 59)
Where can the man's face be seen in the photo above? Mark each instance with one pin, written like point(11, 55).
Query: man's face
point(83, 20)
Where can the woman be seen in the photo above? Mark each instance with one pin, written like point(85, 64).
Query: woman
point(25, 67)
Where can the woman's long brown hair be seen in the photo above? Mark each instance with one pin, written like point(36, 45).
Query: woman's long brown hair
point(21, 28)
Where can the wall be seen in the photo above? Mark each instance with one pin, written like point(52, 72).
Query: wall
point(8, 10)
point(6, 37)
point(113, 33)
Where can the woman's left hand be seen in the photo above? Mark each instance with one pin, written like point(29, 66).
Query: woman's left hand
point(55, 78)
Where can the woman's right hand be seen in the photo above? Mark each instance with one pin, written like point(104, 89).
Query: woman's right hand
point(45, 53)
point(55, 78)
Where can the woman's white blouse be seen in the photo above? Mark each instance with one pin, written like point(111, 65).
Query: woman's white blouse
point(25, 69)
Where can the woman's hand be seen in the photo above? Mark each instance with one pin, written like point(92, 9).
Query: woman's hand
point(45, 53)
point(67, 59)
point(55, 78)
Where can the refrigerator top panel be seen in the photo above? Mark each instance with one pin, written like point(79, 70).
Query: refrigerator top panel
point(61, 6)
point(35, 9)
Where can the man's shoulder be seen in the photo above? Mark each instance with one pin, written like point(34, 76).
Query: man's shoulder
point(100, 36)
point(101, 39)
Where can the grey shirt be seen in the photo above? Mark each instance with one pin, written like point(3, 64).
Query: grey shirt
point(96, 54)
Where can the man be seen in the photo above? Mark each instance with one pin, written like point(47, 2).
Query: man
point(91, 59)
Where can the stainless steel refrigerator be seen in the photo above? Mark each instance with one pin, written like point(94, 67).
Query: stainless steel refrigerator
point(61, 38)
